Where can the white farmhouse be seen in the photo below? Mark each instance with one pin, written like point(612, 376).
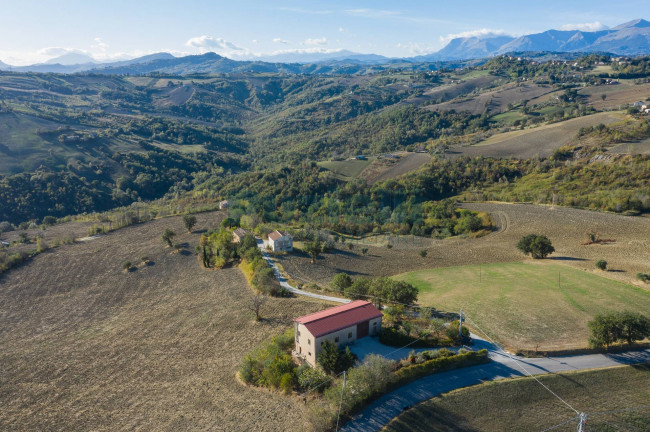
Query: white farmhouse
point(280, 242)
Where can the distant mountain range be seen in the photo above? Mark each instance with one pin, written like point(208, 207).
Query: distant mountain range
point(629, 39)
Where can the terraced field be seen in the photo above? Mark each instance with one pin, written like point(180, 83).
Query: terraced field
point(86, 346)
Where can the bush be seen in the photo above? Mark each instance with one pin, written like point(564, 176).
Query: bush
point(126, 265)
point(333, 360)
point(423, 253)
point(189, 221)
point(645, 277)
point(341, 282)
point(601, 264)
point(271, 365)
point(538, 246)
point(49, 220)
point(312, 379)
point(452, 333)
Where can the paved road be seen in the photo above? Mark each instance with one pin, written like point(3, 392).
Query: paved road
point(503, 365)
point(285, 284)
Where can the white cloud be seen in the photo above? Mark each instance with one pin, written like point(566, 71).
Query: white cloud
point(319, 41)
point(341, 29)
point(280, 40)
point(473, 33)
point(588, 27)
point(416, 48)
point(99, 45)
point(255, 41)
point(58, 51)
point(207, 43)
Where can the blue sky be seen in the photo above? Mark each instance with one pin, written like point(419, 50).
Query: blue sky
point(33, 31)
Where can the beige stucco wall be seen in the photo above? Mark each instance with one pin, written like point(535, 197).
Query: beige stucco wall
point(309, 346)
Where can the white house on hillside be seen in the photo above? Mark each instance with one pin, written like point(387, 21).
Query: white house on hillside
point(280, 242)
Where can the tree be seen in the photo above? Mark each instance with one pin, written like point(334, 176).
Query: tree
point(603, 96)
point(452, 333)
point(538, 246)
point(601, 264)
point(126, 266)
point(341, 282)
point(423, 253)
point(328, 356)
point(313, 249)
point(49, 220)
point(635, 326)
point(189, 221)
point(605, 330)
point(364, 250)
point(255, 305)
point(168, 237)
point(228, 223)
point(359, 289)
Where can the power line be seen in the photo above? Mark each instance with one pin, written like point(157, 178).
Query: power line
point(518, 362)
point(561, 424)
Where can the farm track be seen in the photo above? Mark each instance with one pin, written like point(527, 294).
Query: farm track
point(86, 346)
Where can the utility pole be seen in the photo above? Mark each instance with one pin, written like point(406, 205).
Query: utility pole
point(340, 402)
point(460, 325)
point(582, 423)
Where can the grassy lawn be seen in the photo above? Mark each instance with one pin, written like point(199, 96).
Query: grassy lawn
point(523, 405)
point(521, 304)
point(347, 169)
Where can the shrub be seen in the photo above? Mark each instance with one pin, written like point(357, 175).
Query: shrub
point(341, 282)
point(5, 227)
point(312, 379)
point(601, 264)
point(189, 221)
point(126, 265)
point(49, 220)
point(645, 277)
point(144, 259)
point(333, 360)
point(452, 333)
point(423, 253)
point(168, 236)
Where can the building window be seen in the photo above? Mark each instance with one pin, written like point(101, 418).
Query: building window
point(309, 354)
point(336, 339)
point(350, 335)
point(308, 341)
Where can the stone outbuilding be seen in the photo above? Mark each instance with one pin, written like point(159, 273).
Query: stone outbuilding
point(280, 241)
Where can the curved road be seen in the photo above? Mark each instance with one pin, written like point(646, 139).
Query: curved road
point(283, 282)
point(503, 365)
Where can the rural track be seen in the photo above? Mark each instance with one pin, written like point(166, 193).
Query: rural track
point(502, 365)
point(285, 284)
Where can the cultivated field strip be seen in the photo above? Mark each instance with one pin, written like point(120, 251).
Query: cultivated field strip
point(85, 346)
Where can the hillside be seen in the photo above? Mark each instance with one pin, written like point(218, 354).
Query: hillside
point(87, 346)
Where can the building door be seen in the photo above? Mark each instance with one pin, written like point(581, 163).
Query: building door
point(362, 329)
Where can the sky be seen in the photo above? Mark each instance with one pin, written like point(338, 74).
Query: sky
point(33, 31)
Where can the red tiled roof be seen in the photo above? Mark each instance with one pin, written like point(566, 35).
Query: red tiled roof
point(275, 235)
point(339, 317)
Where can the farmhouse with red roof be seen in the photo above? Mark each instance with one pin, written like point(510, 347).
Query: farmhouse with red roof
point(341, 324)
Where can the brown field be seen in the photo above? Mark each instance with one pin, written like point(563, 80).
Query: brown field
point(616, 95)
point(449, 91)
point(566, 227)
point(497, 100)
point(384, 169)
point(86, 346)
point(539, 141)
point(639, 147)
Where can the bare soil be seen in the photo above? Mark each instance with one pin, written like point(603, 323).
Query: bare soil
point(384, 169)
point(616, 95)
point(495, 101)
point(539, 141)
point(87, 346)
point(566, 227)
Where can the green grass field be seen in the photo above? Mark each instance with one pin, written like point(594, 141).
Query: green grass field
point(523, 405)
point(527, 305)
point(347, 169)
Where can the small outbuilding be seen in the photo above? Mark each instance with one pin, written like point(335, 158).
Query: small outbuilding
point(280, 241)
point(224, 204)
point(341, 325)
point(239, 234)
